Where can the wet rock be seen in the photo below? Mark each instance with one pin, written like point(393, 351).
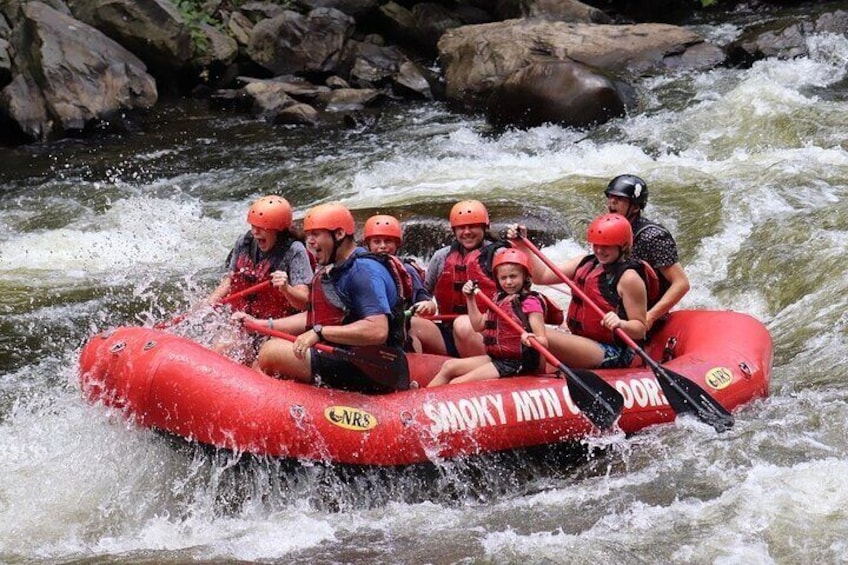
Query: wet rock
point(293, 43)
point(355, 8)
point(783, 39)
point(152, 29)
point(75, 77)
point(558, 92)
point(349, 99)
point(478, 59)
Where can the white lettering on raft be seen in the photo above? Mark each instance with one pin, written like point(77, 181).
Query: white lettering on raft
point(536, 404)
point(530, 405)
point(644, 392)
point(466, 413)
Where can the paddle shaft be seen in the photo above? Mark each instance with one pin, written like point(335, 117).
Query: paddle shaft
point(226, 300)
point(263, 329)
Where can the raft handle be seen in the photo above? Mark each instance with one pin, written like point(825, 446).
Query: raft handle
point(117, 347)
point(746, 370)
point(668, 350)
point(149, 345)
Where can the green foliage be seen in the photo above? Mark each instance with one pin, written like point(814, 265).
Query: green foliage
point(193, 13)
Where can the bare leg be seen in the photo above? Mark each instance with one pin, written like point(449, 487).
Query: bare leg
point(453, 368)
point(427, 335)
point(277, 358)
point(574, 350)
point(469, 342)
point(484, 372)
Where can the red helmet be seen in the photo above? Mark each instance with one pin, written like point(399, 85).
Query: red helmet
point(385, 226)
point(510, 255)
point(468, 212)
point(271, 213)
point(331, 216)
point(610, 229)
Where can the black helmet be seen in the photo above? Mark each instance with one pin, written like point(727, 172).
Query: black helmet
point(631, 187)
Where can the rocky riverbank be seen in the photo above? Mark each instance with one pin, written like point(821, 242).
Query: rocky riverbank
point(82, 66)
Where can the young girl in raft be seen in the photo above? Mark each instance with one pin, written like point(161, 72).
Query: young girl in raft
point(507, 352)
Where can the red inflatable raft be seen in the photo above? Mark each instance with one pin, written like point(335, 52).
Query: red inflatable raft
point(169, 383)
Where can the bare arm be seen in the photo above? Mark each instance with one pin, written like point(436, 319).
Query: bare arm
point(371, 330)
point(631, 288)
point(478, 321)
point(678, 289)
point(222, 290)
point(537, 326)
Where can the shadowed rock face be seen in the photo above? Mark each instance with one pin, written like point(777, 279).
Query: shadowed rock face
point(559, 92)
point(151, 29)
point(71, 76)
point(292, 43)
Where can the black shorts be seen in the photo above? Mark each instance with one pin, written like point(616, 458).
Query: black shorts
point(332, 371)
point(447, 336)
point(529, 363)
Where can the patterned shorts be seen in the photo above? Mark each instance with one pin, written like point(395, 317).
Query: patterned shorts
point(616, 356)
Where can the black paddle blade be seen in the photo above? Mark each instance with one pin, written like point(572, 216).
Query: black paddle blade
point(386, 366)
point(595, 397)
point(686, 396)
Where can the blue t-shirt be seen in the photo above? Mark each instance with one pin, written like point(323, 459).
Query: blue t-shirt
point(366, 287)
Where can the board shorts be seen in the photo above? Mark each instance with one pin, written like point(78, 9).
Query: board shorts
point(528, 364)
point(331, 371)
point(616, 356)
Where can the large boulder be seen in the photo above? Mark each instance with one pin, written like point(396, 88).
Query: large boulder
point(70, 77)
point(560, 92)
point(478, 59)
point(152, 29)
point(293, 43)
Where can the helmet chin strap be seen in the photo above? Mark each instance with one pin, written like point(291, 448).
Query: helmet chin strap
point(336, 243)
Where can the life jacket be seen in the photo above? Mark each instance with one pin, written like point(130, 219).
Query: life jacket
point(327, 307)
point(412, 262)
point(499, 337)
point(600, 283)
point(250, 270)
point(458, 269)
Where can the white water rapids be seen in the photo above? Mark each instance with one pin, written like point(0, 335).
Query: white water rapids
point(748, 168)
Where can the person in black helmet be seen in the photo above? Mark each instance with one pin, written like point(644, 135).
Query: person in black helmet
point(653, 243)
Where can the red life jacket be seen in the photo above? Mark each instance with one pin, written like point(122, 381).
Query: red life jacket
point(499, 337)
point(268, 302)
point(327, 308)
point(459, 269)
point(600, 283)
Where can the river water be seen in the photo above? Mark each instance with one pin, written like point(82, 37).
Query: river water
point(749, 168)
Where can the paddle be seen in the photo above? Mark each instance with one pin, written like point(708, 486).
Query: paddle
point(595, 397)
point(683, 395)
point(433, 317)
point(382, 364)
point(226, 300)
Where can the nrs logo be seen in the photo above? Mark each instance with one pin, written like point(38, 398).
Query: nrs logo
point(719, 377)
point(350, 418)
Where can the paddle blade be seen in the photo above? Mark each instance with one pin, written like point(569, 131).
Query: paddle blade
point(595, 397)
point(686, 396)
point(386, 366)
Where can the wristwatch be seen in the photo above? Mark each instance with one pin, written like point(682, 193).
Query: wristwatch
point(318, 328)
